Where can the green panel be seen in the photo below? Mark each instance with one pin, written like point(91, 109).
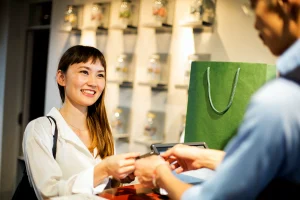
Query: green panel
point(202, 122)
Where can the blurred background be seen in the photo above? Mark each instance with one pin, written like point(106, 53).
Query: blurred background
point(148, 45)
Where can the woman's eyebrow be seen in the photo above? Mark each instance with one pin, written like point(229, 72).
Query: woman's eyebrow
point(84, 67)
point(88, 68)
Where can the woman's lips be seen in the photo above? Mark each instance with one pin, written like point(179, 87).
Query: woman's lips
point(89, 93)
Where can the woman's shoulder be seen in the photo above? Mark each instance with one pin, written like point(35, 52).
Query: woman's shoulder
point(39, 127)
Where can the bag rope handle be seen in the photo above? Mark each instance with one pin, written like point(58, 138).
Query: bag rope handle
point(232, 92)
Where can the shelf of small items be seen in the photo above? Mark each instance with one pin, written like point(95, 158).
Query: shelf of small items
point(73, 19)
point(159, 87)
point(127, 29)
point(159, 26)
point(192, 24)
point(197, 26)
point(182, 86)
point(74, 31)
point(97, 30)
point(122, 84)
point(101, 30)
point(120, 136)
point(100, 18)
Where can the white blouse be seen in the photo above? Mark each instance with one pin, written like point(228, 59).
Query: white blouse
point(72, 171)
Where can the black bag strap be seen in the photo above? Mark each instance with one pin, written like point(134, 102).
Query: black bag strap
point(54, 136)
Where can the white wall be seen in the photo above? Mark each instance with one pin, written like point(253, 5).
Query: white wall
point(234, 39)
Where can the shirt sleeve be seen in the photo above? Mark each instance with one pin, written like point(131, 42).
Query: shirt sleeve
point(252, 158)
point(45, 172)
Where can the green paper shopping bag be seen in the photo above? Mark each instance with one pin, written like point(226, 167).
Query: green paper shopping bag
point(219, 93)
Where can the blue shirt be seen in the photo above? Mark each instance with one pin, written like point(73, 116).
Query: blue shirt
point(267, 145)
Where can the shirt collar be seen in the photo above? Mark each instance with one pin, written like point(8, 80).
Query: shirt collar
point(65, 131)
point(290, 59)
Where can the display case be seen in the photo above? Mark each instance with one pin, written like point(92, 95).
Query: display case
point(142, 55)
point(153, 128)
point(201, 16)
point(73, 18)
point(157, 72)
point(184, 83)
point(128, 16)
point(123, 71)
point(162, 16)
point(120, 121)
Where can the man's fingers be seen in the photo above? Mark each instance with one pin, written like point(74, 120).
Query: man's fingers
point(179, 170)
point(171, 159)
point(175, 166)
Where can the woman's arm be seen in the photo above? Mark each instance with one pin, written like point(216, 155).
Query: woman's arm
point(117, 166)
point(45, 172)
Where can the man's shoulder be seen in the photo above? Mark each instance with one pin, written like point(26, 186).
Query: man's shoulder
point(279, 93)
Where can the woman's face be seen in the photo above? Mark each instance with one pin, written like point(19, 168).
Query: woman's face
point(83, 83)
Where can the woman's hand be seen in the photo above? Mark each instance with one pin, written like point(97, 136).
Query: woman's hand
point(128, 179)
point(120, 166)
point(184, 158)
point(145, 168)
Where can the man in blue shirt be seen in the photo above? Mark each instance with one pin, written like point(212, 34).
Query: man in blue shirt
point(267, 146)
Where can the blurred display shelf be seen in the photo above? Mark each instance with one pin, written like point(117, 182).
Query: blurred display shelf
point(127, 29)
point(122, 84)
point(120, 136)
point(147, 142)
point(198, 26)
point(182, 86)
point(159, 26)
point(38, 27)
point(155, 87)
point(73, 31)
point(192, 24)
point(98, 30)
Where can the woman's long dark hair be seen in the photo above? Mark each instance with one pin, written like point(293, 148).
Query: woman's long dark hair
point(97, 121)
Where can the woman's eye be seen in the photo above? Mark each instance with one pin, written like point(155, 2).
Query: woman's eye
point(101, 75)
point(84, 72)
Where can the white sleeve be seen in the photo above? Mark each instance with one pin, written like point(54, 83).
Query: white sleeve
point(45, 173)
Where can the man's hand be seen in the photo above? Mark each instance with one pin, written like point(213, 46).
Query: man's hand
point(145, 168)
point(184, 158)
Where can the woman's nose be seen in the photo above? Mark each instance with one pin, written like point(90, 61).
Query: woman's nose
point(91, 81)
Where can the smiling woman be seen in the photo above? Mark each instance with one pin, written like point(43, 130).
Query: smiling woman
point(85, 158)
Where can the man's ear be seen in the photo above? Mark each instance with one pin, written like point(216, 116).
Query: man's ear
point(294, 2)
point(284, 5)
point(61, 78)
point(290, 7)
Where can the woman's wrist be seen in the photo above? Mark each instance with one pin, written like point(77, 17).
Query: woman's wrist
point(100, 172)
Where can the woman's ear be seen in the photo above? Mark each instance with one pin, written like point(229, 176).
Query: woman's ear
point(61, 78)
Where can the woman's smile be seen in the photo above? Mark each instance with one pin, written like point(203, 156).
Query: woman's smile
point(88, 92)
